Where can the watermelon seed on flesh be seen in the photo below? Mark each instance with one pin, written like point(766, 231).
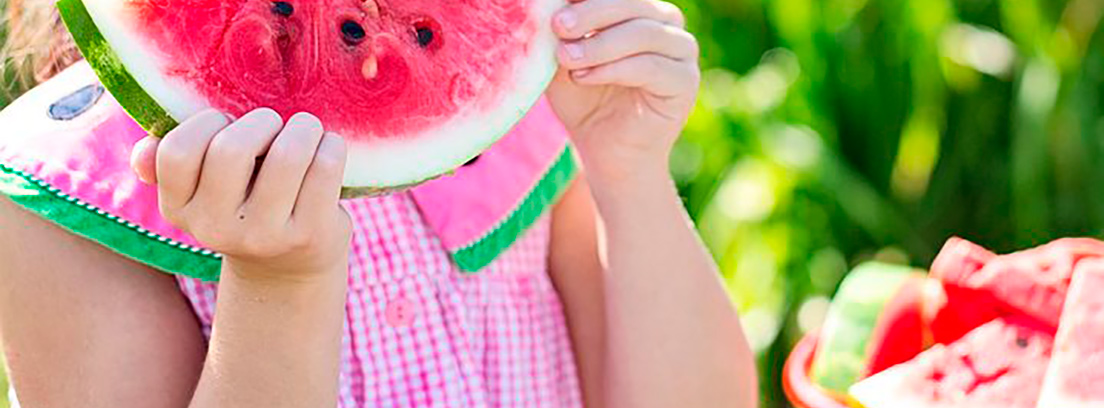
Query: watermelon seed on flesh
point(424, 35)
point(411, 103)
point(283, 8)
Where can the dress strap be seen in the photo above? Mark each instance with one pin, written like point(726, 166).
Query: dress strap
point(481, 209)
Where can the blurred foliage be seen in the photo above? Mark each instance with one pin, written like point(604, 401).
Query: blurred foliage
point(830, 132)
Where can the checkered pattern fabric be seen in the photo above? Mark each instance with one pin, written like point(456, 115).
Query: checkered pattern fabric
point(421, 333)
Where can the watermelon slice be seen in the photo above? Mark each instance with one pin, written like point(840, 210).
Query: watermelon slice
point(853, 326)
point(416, 88)
point(1075, 378)
point(980, 285)
point(998, 365)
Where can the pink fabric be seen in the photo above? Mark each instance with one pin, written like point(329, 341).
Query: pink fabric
point(88, 157)
point(467, 205)
point(421, 333)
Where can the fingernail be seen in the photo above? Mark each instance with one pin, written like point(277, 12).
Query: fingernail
point(568, 19)
point(136, 157)
point(579, 73)
point(574, 51)
point(142, 144)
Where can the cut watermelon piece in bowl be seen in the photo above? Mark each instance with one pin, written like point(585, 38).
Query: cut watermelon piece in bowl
point(416, 88)
point(1075, 378)
point(1032, 282)
point(998, 365)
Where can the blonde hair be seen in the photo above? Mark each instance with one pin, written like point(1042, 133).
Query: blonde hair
point(37, 45)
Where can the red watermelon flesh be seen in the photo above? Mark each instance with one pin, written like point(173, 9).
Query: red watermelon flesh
point(341, 59)
point(955, 310)
point(923, 314)
point(1075, 378)
point(899, 333)
point(1000, 364)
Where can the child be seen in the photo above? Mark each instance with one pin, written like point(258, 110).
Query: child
point(608, 300)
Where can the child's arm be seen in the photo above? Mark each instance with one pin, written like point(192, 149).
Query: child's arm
point(668, 336)
point(285, 239)
point(83, 327)
point(622, 242)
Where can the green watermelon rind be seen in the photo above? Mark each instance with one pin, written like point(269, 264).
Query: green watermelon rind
point(840, 360)
point(111, 71)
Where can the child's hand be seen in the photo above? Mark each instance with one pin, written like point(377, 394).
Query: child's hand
point(628, 80)
point(281, 221)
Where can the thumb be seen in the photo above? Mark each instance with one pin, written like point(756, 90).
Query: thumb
point(143, 159)
point(571, 102)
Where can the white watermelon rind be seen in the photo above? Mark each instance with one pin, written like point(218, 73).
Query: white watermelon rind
point(157, 102)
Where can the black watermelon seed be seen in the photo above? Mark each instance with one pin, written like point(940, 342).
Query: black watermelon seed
point(352, 32)
point(283, 8)
point(1021, 342)
point(424, 36)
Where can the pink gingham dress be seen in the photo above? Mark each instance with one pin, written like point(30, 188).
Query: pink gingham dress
point(421, 333)
point(449, 304)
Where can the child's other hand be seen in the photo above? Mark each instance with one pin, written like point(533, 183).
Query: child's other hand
point(627, 82)
point(281, 221)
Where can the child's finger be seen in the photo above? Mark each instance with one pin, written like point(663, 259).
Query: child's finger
point(143, 159)
point(231, 158)
point(321, 188)
point(627, 39)
point(281, 176)
point(580, 19)
point(179, 159)
point(659, 75)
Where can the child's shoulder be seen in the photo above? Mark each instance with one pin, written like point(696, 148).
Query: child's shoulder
point(65, 151)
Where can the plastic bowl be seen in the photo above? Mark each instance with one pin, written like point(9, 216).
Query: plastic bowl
point(799, 389)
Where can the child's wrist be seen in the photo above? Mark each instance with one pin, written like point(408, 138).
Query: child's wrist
point(616, 172)
point(285, 274)
point(630, 184)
